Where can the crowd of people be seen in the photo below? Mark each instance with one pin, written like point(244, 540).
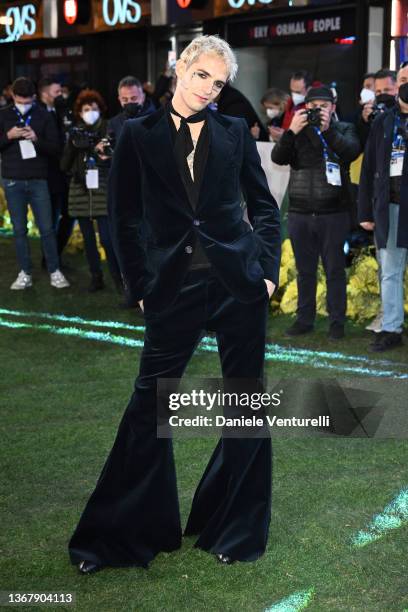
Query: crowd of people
point(56, 151)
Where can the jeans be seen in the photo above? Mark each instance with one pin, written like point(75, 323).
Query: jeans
point(313, 236)
point(393, 262)
point(20, 193)
point(91, 249)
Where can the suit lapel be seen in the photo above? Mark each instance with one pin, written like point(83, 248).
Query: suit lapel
point(222, 144)
point(158, 148)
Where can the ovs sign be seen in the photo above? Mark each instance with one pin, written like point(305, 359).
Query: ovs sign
point(20, 21)
point(239, 3)
point(120, 11)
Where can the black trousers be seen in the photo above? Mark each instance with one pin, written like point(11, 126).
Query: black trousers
point(313, 236)
point(133, 513)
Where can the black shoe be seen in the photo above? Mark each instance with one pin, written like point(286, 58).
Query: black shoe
point(385, 341)
point(298, 329)
point(88, 567)
point(96, 283)
point(336, 331)
point(224, 559)
point(117, 281)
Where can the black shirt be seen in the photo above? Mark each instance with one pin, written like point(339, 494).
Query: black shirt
point(191, 186)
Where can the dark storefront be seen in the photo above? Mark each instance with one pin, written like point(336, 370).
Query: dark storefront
point(111, 38)
point(97, 51)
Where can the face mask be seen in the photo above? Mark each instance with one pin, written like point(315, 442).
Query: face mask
point(297, 98)
point(59, 101)
point(273, 112)
point(366, 95)
point(90, 117)
point(387, 99)
point(403, 93)
point(23, 108)
point(132, 109)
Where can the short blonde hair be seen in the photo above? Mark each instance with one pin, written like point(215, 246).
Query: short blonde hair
point(216, 46)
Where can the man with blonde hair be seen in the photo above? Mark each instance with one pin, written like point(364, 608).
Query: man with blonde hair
point(193, 264)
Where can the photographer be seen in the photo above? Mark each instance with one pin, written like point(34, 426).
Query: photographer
point(86, 159)
point(385, 89)
point(134, 104)
point(28, 141)
point(319, 151)
point(382, 207)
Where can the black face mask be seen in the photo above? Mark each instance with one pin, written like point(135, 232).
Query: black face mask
point(132, 110)
point(60, 102)
point(403, 93)
point(387, 99)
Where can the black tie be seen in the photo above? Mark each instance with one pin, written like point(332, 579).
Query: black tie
point(184, 144)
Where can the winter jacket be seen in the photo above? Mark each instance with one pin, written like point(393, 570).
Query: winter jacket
point(84, 202)
point(309, 191)
point(374, 190)
point(47, 145)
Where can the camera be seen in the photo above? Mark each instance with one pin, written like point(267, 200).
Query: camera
point(377, 110)
point(313, 116)
point(83, 139)
point(108, 145)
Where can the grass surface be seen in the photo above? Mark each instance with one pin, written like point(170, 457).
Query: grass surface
point(62, 399)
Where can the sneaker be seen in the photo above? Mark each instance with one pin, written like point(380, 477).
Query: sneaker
point(58, 280)
point(23, 281)
point(336, 331)
point(298, 329)
point(385, 341)
point(376, 324)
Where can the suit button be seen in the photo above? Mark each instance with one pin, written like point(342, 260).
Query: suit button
point(377, 175)
point(189, 249)
point(196, 222)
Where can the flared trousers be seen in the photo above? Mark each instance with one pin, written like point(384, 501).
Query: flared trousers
point(133, 513)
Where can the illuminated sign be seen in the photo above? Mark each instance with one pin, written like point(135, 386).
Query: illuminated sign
point(19, 21)
point(70, 11)
point(120, 11)
point(240, 3)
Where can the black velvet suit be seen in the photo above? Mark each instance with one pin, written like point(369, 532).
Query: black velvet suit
point(133, 512)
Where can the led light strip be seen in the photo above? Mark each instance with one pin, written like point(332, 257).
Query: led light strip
point(294, 603)
point(285, 352)
point(394, 515)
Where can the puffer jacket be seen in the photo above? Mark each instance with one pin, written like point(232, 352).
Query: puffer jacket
point(309, 191)
point(83, 202)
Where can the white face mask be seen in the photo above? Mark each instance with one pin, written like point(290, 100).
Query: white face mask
point(297, 98)
point(90, 117)
point(366, 95)
point(23, 108)
point(273, 112)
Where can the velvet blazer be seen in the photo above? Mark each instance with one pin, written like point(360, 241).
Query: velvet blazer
point(155, 229)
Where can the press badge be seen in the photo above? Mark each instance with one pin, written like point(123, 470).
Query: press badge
point(27, 149)
point(397, 161)
point(92, 178)
point(333, 173)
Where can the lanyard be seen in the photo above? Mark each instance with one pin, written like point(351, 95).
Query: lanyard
point(26, 121)
point(324, 143)
point(397, 139)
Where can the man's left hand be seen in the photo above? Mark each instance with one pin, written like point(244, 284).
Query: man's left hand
point(270, 286)
point(325, 116)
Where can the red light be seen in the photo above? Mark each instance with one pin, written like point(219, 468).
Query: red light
point(184, 3)
point(70, 11)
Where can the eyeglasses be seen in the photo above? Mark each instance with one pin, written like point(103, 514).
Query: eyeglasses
point(199, 75)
